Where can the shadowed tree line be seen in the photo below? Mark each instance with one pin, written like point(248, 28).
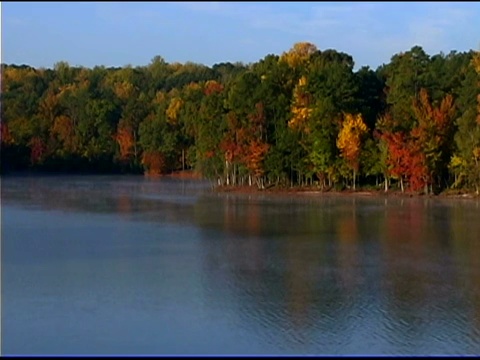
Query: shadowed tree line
point(304, 118)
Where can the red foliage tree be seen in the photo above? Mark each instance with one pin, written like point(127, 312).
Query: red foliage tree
point(153, 162)
point(7, 138)
point(125, 140)
point(254, 146)
point(212, 87)
point(37, 150)
point(405, 160)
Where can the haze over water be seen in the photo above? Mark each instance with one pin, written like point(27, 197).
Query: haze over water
point(130, 265)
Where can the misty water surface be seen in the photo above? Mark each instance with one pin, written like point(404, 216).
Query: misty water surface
point(130, 265)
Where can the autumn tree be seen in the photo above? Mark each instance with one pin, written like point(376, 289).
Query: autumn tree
point(124, 137)
point(433, 134)
point(173, 118)
point(245, 137)
point(301, 110)
point(133, 101)
point(274, 84)
point(465, 161)
point(255, 145)
point(350, 139)
point(286, 119)
point(397, 164)
point(156, 139)
point(332, 86)
point(298, 54)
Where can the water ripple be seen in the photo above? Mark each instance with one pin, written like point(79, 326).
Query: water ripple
point(121, 264)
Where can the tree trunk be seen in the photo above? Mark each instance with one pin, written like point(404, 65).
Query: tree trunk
point(259, 181)
point(183, 159)
point(227, 172)
point(135, 146)
point(291, 176)
point(386, 184)
point(354, 179)
point(401, 184)
point(234, 175)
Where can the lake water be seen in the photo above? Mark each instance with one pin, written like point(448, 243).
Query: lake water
point(130, 265)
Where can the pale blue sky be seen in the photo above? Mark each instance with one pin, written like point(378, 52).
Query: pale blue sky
point(121, 33)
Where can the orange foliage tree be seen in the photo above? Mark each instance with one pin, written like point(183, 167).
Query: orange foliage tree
point(231, 146)
point(433, 133)
point(256, 147)
point(7, 138)
point(63, 128)
point(153, 162)
point(211, 87)
point(125, 140)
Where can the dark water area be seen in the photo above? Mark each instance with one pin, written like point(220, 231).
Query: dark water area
point(130, 265)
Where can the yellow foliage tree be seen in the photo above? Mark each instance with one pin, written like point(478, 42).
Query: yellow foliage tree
point(160, 98)
point(349, 141)
point(298, 54)
point(173, 110)
point(300, 107)
point(476, 61)
point(124, 90)
point(193, 86)
point(13, 75)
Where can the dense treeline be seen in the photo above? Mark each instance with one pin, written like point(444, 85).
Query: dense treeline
point(302, 118)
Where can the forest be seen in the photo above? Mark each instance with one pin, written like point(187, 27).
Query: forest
point(304, 118)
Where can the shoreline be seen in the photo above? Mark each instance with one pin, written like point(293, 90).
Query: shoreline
point(183, 174)
point(277, 190)
point(312, 191)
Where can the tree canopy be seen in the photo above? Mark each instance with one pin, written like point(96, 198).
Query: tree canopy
point(304, 117)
